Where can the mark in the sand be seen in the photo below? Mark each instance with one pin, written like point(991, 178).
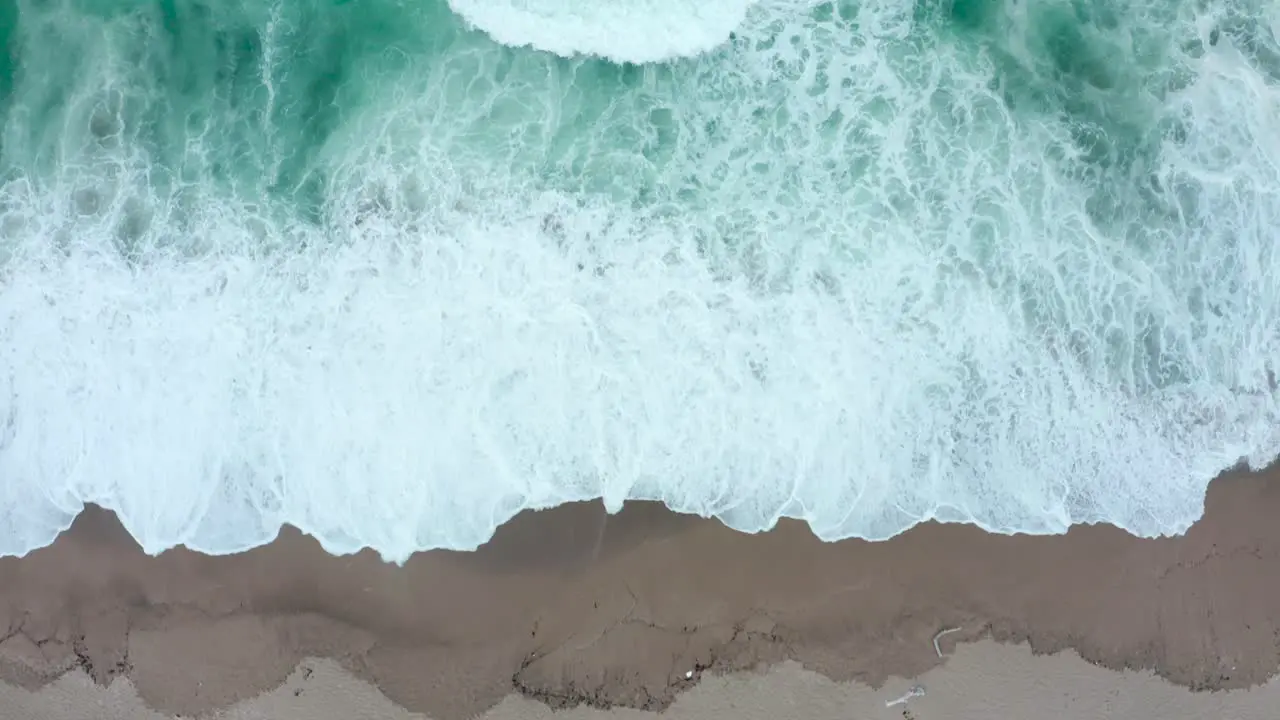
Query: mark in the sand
point(915, 692)
point(948, 631)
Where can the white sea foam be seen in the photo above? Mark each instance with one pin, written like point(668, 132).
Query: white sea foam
point(863, 292)
point(636, 31)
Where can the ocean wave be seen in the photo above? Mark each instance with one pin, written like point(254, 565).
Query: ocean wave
point(359, 268)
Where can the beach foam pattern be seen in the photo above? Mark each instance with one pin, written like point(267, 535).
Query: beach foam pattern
point(360, 268)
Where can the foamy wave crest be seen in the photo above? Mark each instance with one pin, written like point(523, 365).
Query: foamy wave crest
point(861, 269)
point(635, 31)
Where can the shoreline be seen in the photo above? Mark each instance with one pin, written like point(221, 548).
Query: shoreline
point(571, 607)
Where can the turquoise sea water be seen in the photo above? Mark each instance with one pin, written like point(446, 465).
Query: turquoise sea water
point(392, 270)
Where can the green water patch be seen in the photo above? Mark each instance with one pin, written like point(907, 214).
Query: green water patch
point(232, 96)
point(1102, 70)
point(8, 51)
point(255, 100)
point(1094, 80)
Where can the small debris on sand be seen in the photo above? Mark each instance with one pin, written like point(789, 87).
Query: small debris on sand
point(915, 691)
point(948, 631)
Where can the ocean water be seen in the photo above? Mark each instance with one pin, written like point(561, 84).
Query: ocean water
point(393, 270)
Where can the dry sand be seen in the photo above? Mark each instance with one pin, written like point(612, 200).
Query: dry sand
point(571, 607)
point(984, 681)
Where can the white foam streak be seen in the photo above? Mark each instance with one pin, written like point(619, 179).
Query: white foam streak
point(634, 31)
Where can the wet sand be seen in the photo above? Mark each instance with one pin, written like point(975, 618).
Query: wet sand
point(571, 607)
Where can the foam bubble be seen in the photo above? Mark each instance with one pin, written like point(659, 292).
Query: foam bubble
point(634, 31)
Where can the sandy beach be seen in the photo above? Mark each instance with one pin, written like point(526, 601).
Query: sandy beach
point(982, 681)
point(652, 611)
